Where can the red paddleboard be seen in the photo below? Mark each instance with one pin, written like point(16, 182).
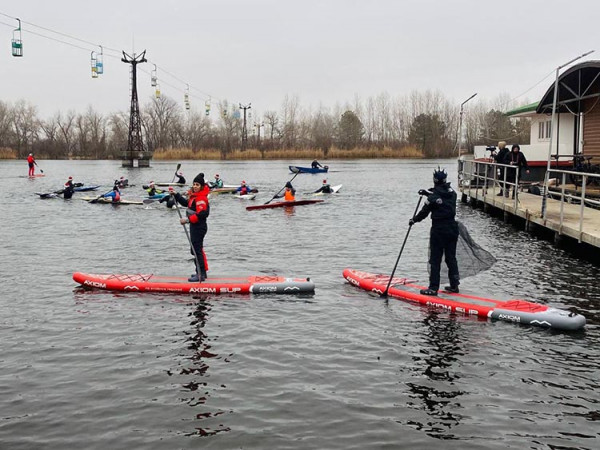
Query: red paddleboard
point(156, 283)
point(520, 311)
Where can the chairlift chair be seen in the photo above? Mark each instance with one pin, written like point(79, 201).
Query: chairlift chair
point(100, 62)
point(17, 42)
point(94, 64)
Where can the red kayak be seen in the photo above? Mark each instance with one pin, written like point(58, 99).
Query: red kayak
point(180, 285)
point(520, 311)
point(281, 204)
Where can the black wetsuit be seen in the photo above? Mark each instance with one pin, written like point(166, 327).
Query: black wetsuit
point(443, 236)
point(69, 189)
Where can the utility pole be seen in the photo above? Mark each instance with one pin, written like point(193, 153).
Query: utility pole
point(460, 122)
point(135, 156)
point(244, 129)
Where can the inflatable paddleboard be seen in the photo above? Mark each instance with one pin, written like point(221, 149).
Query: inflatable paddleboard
point(263, 284)
point(519, 311)
point(282, 204)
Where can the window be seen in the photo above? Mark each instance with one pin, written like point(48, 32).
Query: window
point(544, 130)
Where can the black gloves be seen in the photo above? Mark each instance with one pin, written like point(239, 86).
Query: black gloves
point(424, 192)
point(411, 222)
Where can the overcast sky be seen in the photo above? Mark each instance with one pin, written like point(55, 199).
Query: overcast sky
point(323, 51)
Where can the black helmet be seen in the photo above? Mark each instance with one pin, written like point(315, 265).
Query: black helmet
point(439, 176)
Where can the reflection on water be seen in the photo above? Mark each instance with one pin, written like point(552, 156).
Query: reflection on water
point(196, 372)
point(434, 394)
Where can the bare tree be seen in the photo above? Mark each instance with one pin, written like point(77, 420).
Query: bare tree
point(26, 126)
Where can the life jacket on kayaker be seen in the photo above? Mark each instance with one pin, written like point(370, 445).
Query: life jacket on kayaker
point(115, 194)
point(244, 189)
point(289, 195)
point(152, 189)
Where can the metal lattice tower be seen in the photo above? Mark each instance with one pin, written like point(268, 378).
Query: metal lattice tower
point(135, 156)
point(244, 128)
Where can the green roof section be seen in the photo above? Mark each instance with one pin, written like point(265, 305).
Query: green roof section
point(522, 109)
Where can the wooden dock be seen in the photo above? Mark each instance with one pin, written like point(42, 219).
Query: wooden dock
point(562, 218)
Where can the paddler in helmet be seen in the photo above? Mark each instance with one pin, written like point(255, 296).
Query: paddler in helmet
point(244, 188)
point(441, 203)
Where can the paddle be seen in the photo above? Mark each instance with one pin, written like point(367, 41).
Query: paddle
point(385, 293)
point(176, 170)
point(100, 196)
point(275, 196)
point(35, 162)
point(188, 236)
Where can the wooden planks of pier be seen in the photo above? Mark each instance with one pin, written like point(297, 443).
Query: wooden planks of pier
point(529, 208)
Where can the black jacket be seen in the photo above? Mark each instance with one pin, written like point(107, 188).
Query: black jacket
point(501, 156)
point(441, 204)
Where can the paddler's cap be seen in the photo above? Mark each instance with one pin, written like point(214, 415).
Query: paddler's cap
point(70, 178)
point(199, 178)
point(122, 178)
point(151, 183)
point(217, 175)
point(243, 182)
point(31, 154)
point(288, 185)
point(180, 173)
point(171, 189)
point(324, 181)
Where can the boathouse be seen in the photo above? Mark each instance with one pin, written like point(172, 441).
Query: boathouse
point(568, 206)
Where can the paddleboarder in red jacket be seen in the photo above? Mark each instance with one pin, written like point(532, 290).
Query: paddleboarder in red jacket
point(198, 210)
point(31, 162)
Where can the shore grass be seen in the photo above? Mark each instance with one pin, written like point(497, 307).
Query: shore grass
point(254, 154)
point(7, 153)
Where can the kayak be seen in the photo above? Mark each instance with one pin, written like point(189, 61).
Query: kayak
point(224, 190)
point(168, 184)
point(298, 169)
point(518, 311)
point(37, 175)
point(334, 190)
point(158, 196)
point(47, 194)
point(281, 204)
point(154, 283)
point(109, 201)
point(86, 188)
point(245, 196)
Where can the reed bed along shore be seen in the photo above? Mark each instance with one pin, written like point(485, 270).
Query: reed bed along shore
point(256, 154)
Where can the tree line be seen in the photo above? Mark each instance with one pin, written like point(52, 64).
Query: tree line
point(426, 121)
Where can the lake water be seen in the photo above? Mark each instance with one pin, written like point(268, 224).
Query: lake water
point(339, 369)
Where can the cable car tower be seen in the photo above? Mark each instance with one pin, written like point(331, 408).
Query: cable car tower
point(135, 156)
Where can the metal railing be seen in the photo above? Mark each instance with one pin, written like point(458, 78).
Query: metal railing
point(488, 178)
point(570, 196)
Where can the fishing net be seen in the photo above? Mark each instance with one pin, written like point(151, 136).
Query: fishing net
point(471, 258)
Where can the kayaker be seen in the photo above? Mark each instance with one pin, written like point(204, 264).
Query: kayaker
point(69, 189)
point(180, 178)
point(218, 183)
point(122, 182)
point(115, 194)
point(31, 163)
point(441, 203)
point(198, 210)
point(325, 188)
point(152, 191)
point(290, 193)
point(315, 164)
point(244, 189)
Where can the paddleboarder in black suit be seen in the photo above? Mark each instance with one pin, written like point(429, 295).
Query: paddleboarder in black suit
point(443, 237)
point(69, 189)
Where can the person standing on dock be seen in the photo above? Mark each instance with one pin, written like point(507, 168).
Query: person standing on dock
point(500, 158)
point(443, 237)
point(517, 159)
